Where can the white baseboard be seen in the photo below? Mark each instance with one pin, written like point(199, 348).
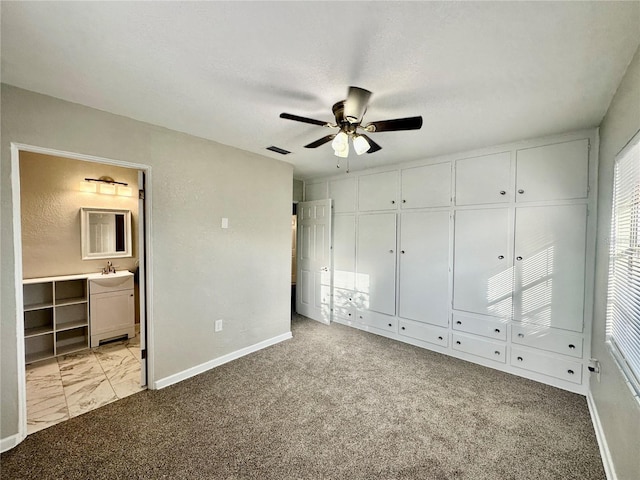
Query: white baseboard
point(10, 442)
point(216, 362)
point(607, 462)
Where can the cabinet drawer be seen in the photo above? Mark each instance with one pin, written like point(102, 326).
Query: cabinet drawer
point(481, 348)
point(547, 365)
point(346, 313)
point(487, 327)
point(114, 284)
point(547, 338)
point(377, 320)
point(423, 332)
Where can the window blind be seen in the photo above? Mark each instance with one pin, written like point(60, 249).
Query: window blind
point(623, 303)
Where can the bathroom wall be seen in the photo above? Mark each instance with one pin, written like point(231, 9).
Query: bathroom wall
point(200, 272)
point(618, 410)
point(50, 202)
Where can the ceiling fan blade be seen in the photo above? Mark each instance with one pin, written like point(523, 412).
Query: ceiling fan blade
point(321, 141)
point(409, 123)
point(297, 118)
point(356, 104)
point(374, 147)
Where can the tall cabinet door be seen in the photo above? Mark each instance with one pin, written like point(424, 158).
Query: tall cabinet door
point(344, 251)
point(483, 276)
point(376, 262)
point(550, 265)
point(424, 267)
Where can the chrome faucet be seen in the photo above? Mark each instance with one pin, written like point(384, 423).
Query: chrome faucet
point(110, 268)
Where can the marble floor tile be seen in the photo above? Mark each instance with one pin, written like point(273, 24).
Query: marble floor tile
point(43, 368)
point(84, 396)
point(46, 418)
point(128, 386)
point(74, 368)
point(44, 395)
point(117, 369)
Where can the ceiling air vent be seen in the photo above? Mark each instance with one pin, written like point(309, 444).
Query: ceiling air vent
point(279, 150)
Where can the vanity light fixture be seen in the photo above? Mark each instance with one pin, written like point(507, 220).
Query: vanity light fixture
point(105, 185)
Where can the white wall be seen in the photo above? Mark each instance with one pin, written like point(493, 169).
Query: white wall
point(50, 203)
point(200, 271)
point(618, 411)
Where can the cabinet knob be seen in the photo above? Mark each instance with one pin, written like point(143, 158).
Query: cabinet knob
point(390, 251)
point(458, 342)
point(393, 202)
point(570, 372)
point(502, 192)
point(572, 346)
point(458, 322)
point(520, 191)
point(520, 359)
point(521, 335)
point(404, 201)
point(440, 337)
point(497, 352)
point(518, 258)
point(390, 325)
point(500, 257)
point(349, 314)
point(349, 298)
point(131, 295)
point(402, 251)
point(497, 330)
point(360, 316)
point(402, 328)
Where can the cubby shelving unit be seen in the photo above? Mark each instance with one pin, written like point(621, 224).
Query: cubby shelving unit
point(56, 316)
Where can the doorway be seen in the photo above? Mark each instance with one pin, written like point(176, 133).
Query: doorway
point(61, 375)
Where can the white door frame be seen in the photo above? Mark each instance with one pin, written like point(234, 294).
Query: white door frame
point(16, 148)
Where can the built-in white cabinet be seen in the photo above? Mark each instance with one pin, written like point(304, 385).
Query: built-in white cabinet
point(427, 186)
point(342, 193)
point(484, 257)
point(549, 265)
point(483, 180)
point(558, 171)
point(378, 191)
point(112, 308)
point(376, 262)
point(56, 318)
point(424, 267)
point(483, 265)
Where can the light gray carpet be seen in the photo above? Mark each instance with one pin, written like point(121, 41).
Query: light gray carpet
point(332, 403)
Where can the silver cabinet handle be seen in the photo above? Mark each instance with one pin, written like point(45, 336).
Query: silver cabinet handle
point(500, 257)
point(521, 335)
point(520, 191)
point(518, 258)
point(502, 192)
point(520, 359)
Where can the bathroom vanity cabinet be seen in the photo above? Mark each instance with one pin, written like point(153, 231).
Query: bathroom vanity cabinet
point(69, 313)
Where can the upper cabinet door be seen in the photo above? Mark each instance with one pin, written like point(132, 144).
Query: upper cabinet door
point(482, 266)
point(378, 191)
point(485, 179)
point(550, 266)
point(553, 172)
point(343, 195)
point(428, 186)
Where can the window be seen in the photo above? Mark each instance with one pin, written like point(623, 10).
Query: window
point(623, 302)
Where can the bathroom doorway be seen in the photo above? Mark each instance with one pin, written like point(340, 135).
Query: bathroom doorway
point(73, 364)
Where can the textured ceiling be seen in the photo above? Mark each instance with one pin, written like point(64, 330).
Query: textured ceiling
point(480, 73)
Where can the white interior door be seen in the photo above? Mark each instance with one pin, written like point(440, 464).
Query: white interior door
point(142, 285)
point(313, 287)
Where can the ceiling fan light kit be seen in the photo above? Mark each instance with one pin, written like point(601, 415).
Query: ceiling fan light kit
point(348, 115)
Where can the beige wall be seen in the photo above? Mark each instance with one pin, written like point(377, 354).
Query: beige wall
point(50, 203)
point(200, 272)
point(619, 412)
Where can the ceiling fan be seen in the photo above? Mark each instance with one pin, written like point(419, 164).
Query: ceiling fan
point(348, 114)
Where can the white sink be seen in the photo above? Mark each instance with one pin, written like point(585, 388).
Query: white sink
point(111, 281)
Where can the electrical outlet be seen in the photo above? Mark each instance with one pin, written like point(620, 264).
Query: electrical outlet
point(218, 325)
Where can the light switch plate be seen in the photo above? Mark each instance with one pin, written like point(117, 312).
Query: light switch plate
point(218, 325)
point(225, 222)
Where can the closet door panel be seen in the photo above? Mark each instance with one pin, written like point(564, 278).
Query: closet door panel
point(378, 191)
point(550, 265)
point(376, 262)
point(424, 267)
point(428, 186)
point(483, 274)
point(344, 251)
point(343, 195)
